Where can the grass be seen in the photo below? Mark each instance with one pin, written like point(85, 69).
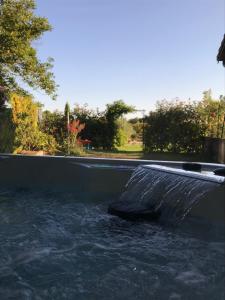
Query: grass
point(135, 152)
point(114, 154)
point(127, 151)
point(130, 148)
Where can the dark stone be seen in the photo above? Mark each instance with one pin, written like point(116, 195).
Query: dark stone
point(192, 167)
point(133, 211)
point(219, 171)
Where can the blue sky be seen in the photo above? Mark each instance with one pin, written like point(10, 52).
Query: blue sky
point(140, 51)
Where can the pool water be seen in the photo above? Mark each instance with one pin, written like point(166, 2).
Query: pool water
point(66, 246)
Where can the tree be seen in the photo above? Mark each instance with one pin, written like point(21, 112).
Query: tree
point(102, 127)
point(67, 118)
point(113, 112)
point(19, 28)
point(67, 113)
point(137, 124)
point(124, 132)
point(95, 125)
point(212, 113)
point(53, 123)
point(27, 133)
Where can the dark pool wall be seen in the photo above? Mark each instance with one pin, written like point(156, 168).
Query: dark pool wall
point(72, 173)
point(61, 173)
point(101, 177)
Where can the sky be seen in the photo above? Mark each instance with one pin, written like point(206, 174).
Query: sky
point(139, 51)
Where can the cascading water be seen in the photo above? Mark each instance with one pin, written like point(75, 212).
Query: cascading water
point(155, 192)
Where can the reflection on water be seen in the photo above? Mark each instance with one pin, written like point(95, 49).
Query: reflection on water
point(64, 246)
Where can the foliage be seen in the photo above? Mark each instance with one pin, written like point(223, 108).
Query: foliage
point(75, 128)
point(27, 134)
point(95, 125)
point(113, 112)
point(24, 111)
point(102, 127)
point(54, 124)
point(137, 124)
point(19, 28)
point(212, 114)
point(67, 112)
point(117, 109)
point(174, 127)
point(71, 144)
point(177, 126)
point(34, 140)
point(124, 132)
point(63, 130)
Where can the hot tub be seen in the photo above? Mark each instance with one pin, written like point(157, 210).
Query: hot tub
point(59, 242)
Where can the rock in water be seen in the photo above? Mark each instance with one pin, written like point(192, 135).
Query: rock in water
point(133, 211)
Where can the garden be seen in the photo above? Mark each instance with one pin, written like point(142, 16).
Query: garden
point(172, 130)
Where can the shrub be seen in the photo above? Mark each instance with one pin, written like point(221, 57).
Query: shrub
point(27, 134)
point(34, 141)
point(174, 127)
point(71, 144)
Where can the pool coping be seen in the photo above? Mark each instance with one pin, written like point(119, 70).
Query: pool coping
point(111, 161)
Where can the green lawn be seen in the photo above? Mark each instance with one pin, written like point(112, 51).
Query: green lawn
point(135, 152)
point(131, 148)
point(127, 151)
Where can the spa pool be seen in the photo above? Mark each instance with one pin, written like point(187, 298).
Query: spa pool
point(61, 245)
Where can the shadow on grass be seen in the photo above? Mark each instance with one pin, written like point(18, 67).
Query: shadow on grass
point(148, 156)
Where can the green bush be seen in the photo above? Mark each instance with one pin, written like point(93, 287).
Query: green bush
point(124, 132)
point(73, 148)
point(174, 127)
point(34, 141)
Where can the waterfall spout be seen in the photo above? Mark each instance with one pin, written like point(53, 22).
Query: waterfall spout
point(157, 192)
